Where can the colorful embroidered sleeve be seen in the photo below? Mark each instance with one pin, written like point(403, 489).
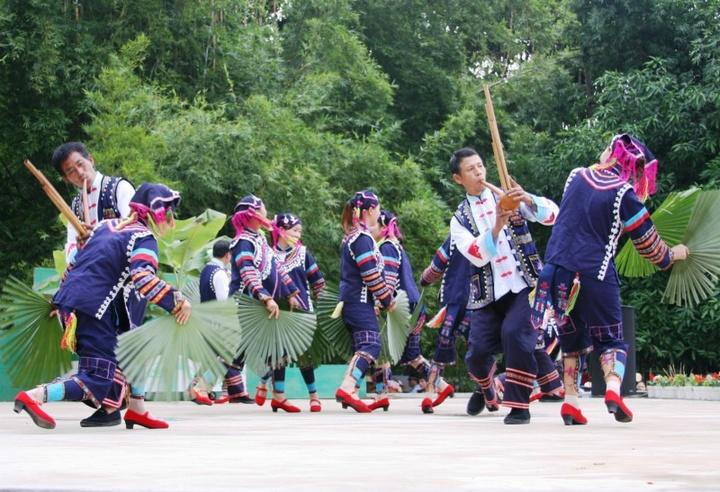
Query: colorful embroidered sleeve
point(313, 274)
point(645, 238)
point(243, 257)
point(434, 272)
point(478, 250)
point(143, 268)
point(543, 210)
point(363, 249)
point(392, 259)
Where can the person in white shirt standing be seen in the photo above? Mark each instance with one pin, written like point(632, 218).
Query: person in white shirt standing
point(214, 285)
point(504, 269)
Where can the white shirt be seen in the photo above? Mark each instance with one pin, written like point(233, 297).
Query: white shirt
point(482, 249)
point(221, 280)
point(123, 195)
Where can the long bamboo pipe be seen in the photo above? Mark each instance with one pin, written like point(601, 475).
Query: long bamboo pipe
point(505, 202)
point(57, 200)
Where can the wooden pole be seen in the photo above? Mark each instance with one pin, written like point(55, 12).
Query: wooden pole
point(57, 199)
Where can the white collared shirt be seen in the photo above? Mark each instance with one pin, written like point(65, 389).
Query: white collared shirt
point(221, 280)
point(483, 249)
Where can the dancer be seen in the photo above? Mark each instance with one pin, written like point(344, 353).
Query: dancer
point(300, 265)
point(398, 275)
point(92, 308)
point(361, 284)
point(256, 272)
point(579, 285)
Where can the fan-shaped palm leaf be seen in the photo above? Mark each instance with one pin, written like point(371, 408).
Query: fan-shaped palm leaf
point(394, 329)
point(268, 342)
point(419, 307)
point(164, 356)
point(695, 278)
point(30, 338)
point(671, 221)
point(334, 330)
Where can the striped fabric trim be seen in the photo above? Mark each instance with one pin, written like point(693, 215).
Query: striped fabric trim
point(636, 220)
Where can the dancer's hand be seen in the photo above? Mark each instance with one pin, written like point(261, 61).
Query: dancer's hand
point(272, 308)
point(680, 252)
point(392, 307)
point(295, 303)
point(183, 315)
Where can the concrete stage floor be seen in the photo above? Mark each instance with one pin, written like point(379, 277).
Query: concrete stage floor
point(671, 445)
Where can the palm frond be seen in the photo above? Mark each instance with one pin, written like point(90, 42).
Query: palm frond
point(695, 278)
point(394, 329)
point(671, 221)
point(332, 329)
point(268, 342)
point(30, 338)
point(415, 315)
point(164, 356)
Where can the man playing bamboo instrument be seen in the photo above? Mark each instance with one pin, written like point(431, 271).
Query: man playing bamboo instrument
point(505, 266)
point(103, 197)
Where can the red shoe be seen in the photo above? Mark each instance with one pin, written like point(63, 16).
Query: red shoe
point(383, 403)
point(283, 405)
point(41, 419)
point(260, 395)
point(427, 406)
point(448, 392)
point(315, 405)
point(347, 400)
point(199, 398)
point(572, 415)
point(132, 418)
point(616, 405)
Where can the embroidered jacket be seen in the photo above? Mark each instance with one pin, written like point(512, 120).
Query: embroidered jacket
point(361, 270)
point(454, 270)
point(301, 267)
point(597, 207)
point(398, 270)
point(113, 261)
point(508, 264)
point(256, 270)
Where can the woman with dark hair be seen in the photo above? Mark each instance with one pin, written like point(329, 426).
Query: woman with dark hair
point(361, 284)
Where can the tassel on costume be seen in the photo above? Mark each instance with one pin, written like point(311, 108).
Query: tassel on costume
point(337, 312)
point(438, 320)
point(574, 292)
point(69, 340)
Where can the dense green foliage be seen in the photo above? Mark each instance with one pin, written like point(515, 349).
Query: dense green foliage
point(305, 102)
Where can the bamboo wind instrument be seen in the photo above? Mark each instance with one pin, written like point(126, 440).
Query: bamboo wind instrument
point(57, 200)
point(505, 202)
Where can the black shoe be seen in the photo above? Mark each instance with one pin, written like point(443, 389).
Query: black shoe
point(517, 416)
point(242, 399)
point(102, 419)
point(476, 403)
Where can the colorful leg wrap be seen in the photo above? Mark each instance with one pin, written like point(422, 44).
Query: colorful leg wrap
point(308, 375)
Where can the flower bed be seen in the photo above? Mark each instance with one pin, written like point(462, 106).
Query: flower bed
point(685, 387)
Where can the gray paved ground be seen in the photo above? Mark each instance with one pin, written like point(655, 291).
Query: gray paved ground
point(671, 445)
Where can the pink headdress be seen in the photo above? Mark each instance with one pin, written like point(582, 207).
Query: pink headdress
point(626, 150)
point(389, 224)
point(245, 211)
point(281, 223)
